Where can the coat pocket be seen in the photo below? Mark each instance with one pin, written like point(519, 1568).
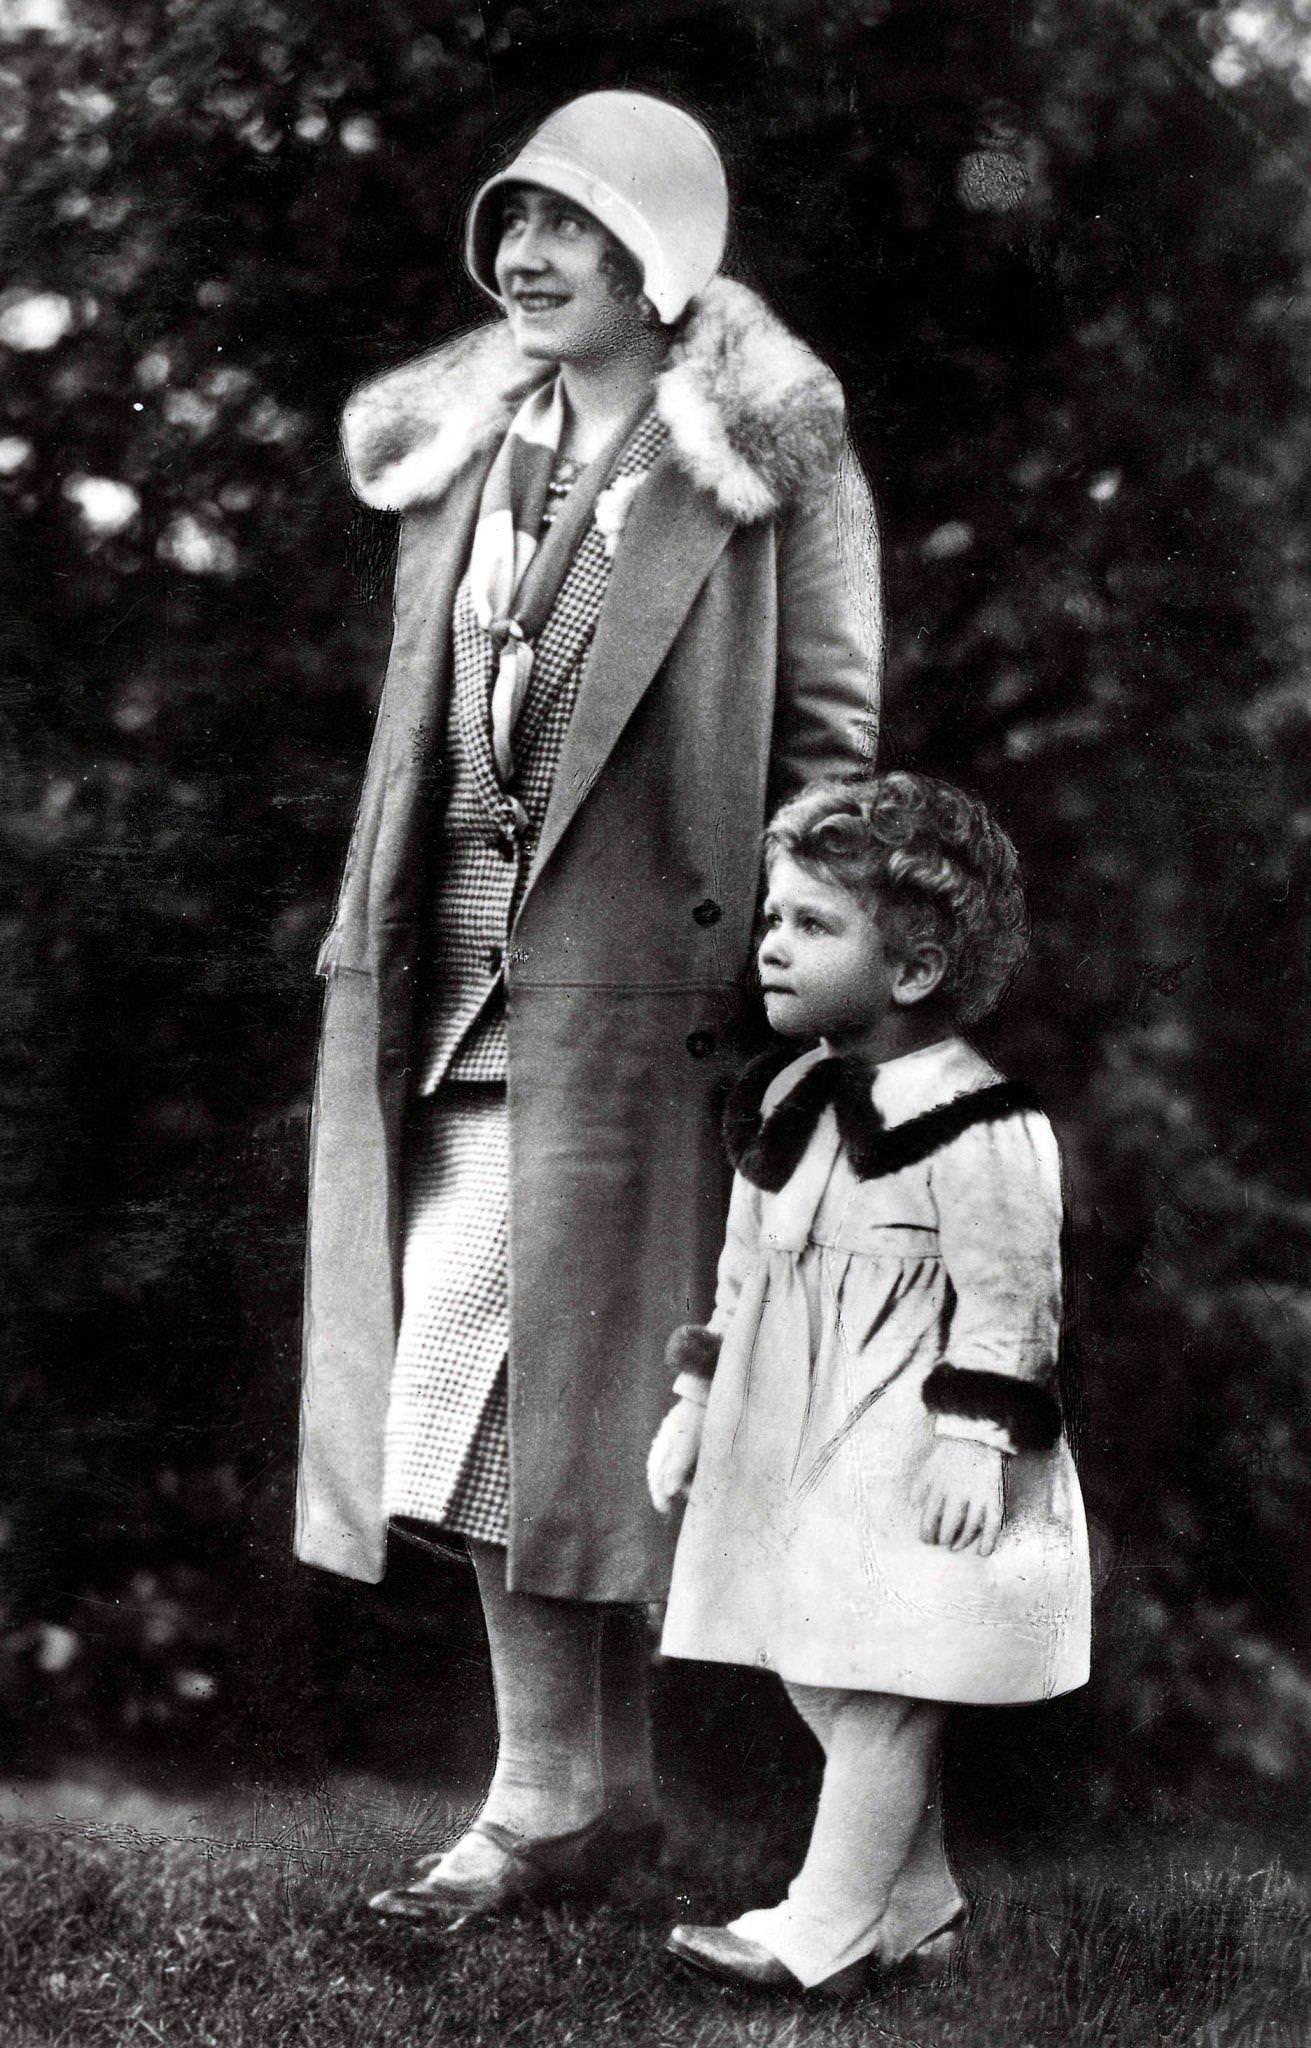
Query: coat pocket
point(870, 1237)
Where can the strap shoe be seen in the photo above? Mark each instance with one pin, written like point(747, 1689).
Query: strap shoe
point(523, 1869)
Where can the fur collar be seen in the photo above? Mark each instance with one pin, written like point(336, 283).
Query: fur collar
point(754, 418)
point(767, 1150)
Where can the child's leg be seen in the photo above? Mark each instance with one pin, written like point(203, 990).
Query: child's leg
point(925, 1895)
point(875, 1878)
point(925, 1881)
point(817, 1706)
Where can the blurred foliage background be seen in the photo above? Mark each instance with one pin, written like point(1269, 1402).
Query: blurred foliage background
point(1058, 251)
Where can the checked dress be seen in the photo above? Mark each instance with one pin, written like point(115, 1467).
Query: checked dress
point(447, 1446)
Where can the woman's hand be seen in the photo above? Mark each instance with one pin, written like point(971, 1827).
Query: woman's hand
point(960, 1495)
point(672, 1458)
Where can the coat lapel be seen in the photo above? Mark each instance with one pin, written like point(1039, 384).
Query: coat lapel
point(413, 715)
point(472, 684)
point(674, 536)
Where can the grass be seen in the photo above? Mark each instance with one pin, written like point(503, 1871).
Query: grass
point(256, 1938)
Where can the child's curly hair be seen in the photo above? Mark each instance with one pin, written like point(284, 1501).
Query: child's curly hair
point(939, 864)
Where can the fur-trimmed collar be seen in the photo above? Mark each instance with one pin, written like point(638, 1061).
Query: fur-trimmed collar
point(754, 418)
point(767, 1150)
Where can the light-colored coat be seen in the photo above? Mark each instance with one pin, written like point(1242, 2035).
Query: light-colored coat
point(837, 1299)
point(736, 655)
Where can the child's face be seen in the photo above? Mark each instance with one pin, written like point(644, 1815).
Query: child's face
point(824, 963)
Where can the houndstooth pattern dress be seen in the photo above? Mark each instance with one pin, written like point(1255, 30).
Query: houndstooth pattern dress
point(447, 1446)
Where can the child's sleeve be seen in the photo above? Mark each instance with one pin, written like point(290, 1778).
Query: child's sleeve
point(998, 1193)
point(694, 1347)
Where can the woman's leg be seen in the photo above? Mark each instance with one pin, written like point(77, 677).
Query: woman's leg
point(573, 1736)
point(627, 1765)
point(546, 1673)
point(875, 1879)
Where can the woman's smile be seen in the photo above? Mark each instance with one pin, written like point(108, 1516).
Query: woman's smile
point(537, 298)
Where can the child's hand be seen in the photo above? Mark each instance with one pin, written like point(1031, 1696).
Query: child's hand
point(672, 1458)
point(960, 1495)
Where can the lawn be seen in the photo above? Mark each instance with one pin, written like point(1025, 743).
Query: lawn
point(255, 1937)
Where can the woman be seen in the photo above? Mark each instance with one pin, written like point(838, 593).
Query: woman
point(636, 603)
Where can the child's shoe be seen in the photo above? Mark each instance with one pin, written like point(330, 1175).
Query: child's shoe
point(718, 1952)
point(933, 1956)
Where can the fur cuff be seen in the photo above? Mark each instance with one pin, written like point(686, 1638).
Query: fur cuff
point(693, 1348)
point(1028, 1414)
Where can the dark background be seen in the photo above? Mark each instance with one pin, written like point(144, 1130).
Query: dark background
point(1057, 250)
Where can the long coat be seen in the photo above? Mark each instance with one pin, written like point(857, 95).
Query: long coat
point(736, 655)
point(863, 1317)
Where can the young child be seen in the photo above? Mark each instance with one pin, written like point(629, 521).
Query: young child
point(884, 1509)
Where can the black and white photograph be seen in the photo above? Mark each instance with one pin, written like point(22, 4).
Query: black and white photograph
point(656, 1075)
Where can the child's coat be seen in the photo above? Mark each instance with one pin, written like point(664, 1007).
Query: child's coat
point(837, 1297)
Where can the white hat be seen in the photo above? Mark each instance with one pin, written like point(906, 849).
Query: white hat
point(645, 169)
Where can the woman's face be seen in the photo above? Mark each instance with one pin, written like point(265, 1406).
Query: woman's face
point(561, 277)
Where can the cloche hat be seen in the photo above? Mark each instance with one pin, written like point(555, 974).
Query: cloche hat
point(645, 169)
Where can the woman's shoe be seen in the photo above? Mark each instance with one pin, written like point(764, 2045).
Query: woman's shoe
point(718, 1952)
point(586, 1859)
point(634, 1842)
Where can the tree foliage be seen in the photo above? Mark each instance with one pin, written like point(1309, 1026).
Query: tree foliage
point(1057, 251)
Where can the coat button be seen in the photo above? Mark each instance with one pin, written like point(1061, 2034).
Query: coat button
point(700, 1043)
point(495, 959)
point(707, 912)
point(505, 847)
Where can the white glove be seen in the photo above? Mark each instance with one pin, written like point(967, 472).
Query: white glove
point(671, 1461)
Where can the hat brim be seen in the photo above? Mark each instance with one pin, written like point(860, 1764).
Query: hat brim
point(557, 174)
